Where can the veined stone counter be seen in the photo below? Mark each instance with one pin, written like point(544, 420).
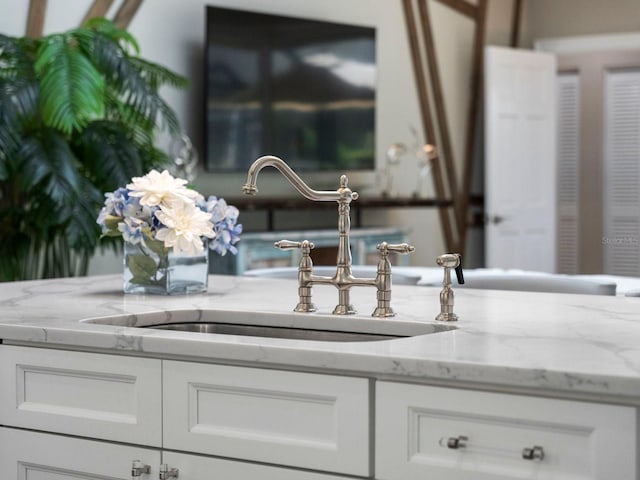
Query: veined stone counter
point(578, 346)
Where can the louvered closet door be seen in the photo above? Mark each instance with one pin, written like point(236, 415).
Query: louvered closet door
point(621, 240)
point(568, 95)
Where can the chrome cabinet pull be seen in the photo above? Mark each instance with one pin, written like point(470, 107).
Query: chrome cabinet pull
point(167, 473)
point(138, 468)
point(533, 453)
point(455, 443)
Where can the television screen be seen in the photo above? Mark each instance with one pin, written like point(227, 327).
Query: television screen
point(303, 90)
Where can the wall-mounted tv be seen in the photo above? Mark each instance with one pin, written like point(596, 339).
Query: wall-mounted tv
point(300, 89)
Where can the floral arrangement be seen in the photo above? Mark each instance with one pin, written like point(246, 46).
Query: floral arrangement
point(159, 211)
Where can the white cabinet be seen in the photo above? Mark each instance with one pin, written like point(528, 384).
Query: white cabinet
point(443, 433)
point(26, 455)
point(92, 395)
point(220, 421)
point(305, 420)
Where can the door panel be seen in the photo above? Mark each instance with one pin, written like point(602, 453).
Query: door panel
point(520, 178)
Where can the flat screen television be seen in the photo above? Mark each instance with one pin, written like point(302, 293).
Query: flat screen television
point(301, 89)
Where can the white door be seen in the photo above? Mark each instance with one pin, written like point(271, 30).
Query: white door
point(520, 159)
point(621, 240)
point(28, 455)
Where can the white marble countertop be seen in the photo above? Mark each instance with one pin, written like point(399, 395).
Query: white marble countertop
point(570, 345)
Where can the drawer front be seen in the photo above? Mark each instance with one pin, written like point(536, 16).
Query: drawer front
point(195, 467)
point(86, 394)
point(288, 418)
point(418, 427)
point(26, 455)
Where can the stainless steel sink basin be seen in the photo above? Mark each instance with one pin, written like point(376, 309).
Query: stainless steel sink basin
point(291, 326)
point(274, 332)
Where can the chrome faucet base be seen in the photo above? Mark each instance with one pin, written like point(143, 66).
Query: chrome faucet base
point(383, 312)
point(305, 308)
point(344, 310)
point(447, 317)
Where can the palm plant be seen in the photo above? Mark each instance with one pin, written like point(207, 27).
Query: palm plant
point(78, 115)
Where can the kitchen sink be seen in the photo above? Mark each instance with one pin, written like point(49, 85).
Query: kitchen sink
point(291, 326)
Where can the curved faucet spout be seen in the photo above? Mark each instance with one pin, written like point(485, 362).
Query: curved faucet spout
point(250, 188)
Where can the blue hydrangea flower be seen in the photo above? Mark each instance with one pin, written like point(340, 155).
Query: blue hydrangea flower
point(224, 218)
point(131, 229)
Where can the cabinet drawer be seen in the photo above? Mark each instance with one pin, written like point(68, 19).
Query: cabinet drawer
point(296, 419)
point(28, 455)
point(576, 440)
point(86, 394)
point(196, 467)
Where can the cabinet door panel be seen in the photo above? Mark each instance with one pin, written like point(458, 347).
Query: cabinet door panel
point(289, 418)
point(28, 455)
point(417, 428)
point(93, 395)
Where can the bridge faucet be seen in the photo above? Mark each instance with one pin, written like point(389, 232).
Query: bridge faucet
point(343, 279)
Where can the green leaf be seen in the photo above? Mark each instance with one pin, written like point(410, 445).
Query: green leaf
point(157, 75)
point(71, 89)
point(109, 154)
point(115, 34)
point(82, 230)
point(142, 267)
point(156, 246)
point(50, 170)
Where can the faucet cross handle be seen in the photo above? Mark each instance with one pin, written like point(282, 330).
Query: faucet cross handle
point(306, 246)
point(403, 248)
point(305, 269)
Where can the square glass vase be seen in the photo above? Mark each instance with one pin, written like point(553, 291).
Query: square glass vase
point(150, 268)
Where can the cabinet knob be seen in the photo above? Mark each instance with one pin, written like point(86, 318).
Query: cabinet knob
point(455, 443)
point(533, 453)
point(138, 468)
point(167, 473)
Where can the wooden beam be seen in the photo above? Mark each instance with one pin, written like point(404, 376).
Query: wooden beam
point(425, 113)
point(35, 19)
point(463, 7)
point(126, 13)
point(515, 23)
point(441, 114)
point(99, 8)
point(475, 102)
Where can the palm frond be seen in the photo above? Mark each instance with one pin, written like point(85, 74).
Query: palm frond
point(157, 75)
point(81, 230)
point(9, 131)
point(111, 158)
point(71, 89)
point(49, 169)
point(16, 57)
point(115, 34)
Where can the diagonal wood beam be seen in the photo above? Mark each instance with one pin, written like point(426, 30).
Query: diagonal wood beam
point(475, 102)
point(441, 114)
point(427, 121)
point(126, 13)
point(515, 23)
point(463, 7)
point(35, 19)
point(99, 8)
